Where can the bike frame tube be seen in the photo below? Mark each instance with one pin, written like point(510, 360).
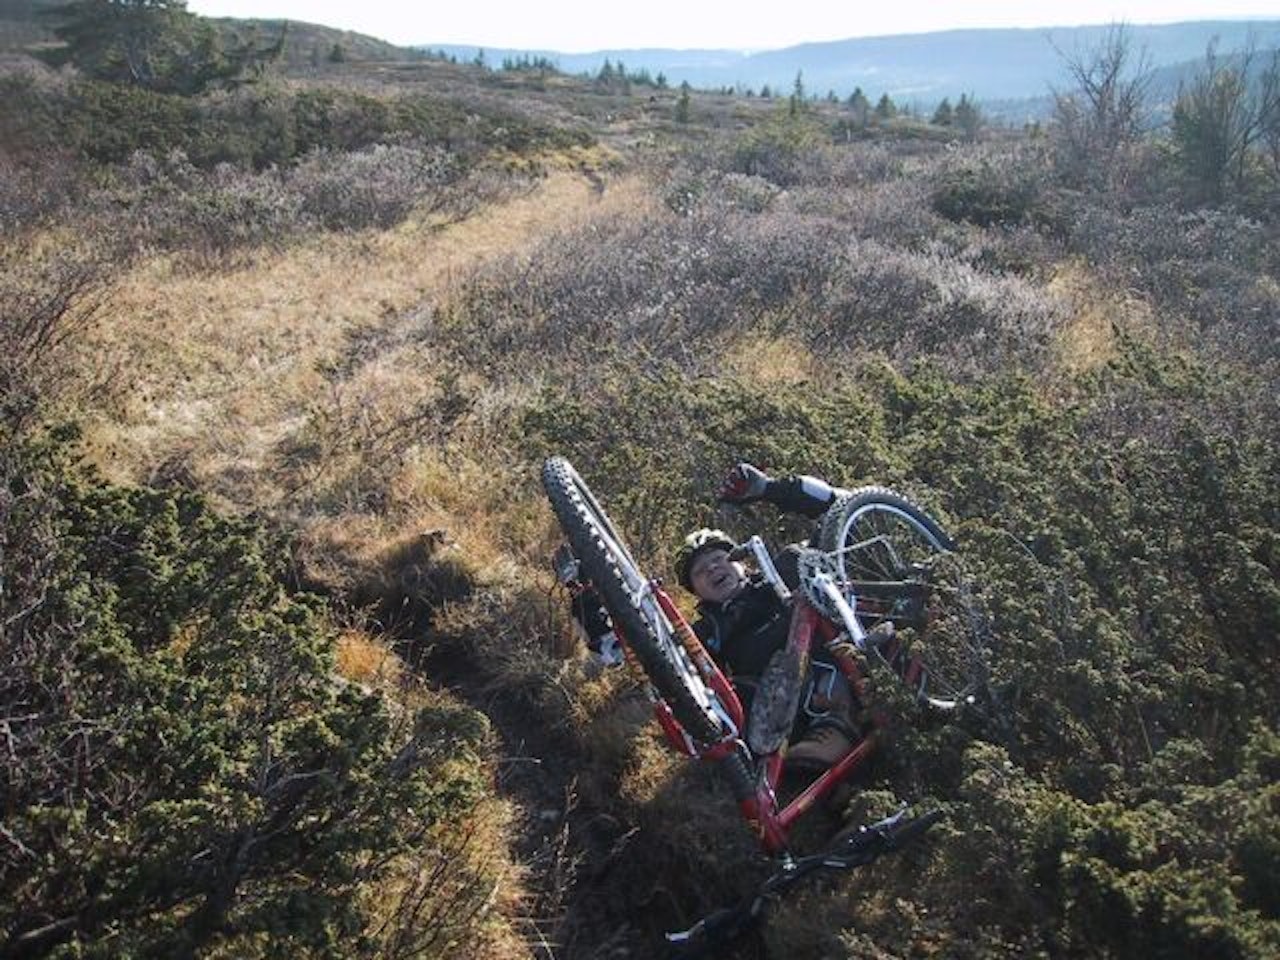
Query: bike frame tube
point(819, 789)
point(759, 806)
point(775, 823)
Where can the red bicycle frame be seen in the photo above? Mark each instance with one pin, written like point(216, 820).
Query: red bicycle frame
point(755, 779)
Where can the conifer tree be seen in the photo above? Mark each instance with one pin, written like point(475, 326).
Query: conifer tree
point(796, 103)
point(155, 44)
point(682, 104)
point(885, 108)
point(943, 116)
point(968, 117)
point(860, 107)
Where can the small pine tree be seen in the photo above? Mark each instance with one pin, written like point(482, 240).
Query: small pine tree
point(337, 54)
point(944, 116)
point(660, 80)
point(683, 104)
point(860, 107)
point(796, 103)
point(968, 117)
point(155, 44)
point(885, 108)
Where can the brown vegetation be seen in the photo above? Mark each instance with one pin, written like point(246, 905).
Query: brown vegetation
point(368, 347)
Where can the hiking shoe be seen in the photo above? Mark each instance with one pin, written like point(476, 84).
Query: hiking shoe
point(819, 749)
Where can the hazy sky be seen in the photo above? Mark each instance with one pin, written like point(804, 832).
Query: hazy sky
point(573, 26)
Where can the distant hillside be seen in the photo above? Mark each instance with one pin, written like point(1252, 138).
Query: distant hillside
point(26, 22)
point(309, 43)
point(990, 64)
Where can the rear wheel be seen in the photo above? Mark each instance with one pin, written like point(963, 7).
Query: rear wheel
point(884, 548)
point(626, 592)
point(901, 565)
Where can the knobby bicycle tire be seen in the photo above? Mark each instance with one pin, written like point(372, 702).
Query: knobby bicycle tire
point(888, 545)
point(610, 567)
point(837, 520)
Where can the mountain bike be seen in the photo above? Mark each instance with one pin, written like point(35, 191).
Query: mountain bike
point(879, 586)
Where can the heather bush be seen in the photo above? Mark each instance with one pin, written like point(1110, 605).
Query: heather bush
point(1005, 193)
point(681, 287)
point(895, 212)
point(37, 189)
point(1213, 272)
point(377, 187)
point(864, 163)
point(932, 305)
point(210, 215)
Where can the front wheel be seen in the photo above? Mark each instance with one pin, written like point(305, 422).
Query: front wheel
point(630, 600)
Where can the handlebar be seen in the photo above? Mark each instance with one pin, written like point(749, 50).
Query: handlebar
point(756, 549)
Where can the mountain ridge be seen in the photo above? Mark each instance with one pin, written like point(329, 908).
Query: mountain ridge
point(990, 63)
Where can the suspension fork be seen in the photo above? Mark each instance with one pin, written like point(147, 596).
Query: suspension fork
point(711, 674)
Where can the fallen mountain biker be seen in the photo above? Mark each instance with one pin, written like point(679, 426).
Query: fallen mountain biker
point(741, 620)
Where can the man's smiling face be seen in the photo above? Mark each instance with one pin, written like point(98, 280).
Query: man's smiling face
point(715, 577)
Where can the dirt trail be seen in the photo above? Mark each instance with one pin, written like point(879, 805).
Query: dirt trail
point(222, 365)
point(226, 367)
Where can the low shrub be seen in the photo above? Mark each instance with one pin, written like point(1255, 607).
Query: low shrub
point(1003, 194)
point(682, 287)
point(1212, 274)
point(254, 126)
point(378, 187)
point(1124, 548)
point(186, 772)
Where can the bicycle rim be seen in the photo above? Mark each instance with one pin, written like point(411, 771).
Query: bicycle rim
point(630, 600)
point(902, 566)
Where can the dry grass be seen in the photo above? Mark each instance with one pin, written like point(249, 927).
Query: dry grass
point(771, 362)
point(225, 366)
point(1087, 340)
point(459, 897)
point(364, 659)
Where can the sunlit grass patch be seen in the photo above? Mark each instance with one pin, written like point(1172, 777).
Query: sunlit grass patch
point(771, 361)
point(1087, 339)
point(364, 659)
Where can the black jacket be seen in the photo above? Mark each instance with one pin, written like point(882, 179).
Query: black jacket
point(744, 632)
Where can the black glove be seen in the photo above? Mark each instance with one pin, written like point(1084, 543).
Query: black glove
point(744, 484)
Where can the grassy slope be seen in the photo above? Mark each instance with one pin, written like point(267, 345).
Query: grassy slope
point(385, 394)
